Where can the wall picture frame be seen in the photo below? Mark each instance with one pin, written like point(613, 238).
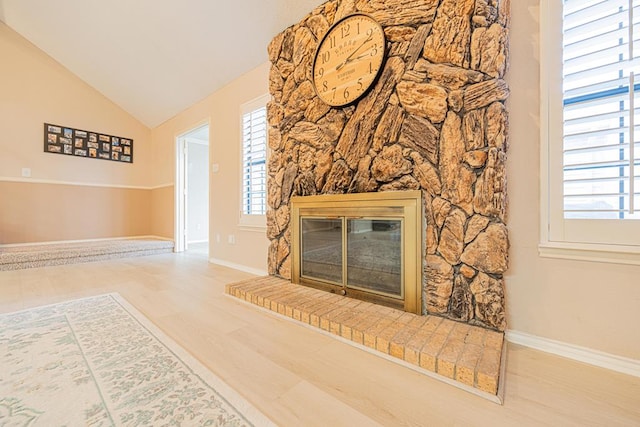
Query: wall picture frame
point(70, 141)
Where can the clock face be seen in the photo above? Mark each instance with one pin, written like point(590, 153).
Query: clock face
point(348, 59)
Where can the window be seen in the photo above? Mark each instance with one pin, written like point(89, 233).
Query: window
point(601, 153)
point(590, 72)
point(254, 162)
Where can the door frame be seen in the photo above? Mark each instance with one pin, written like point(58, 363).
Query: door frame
point(180, 193)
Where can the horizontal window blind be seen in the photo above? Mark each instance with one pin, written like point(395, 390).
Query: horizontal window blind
point(601, 113)
point(254, 162)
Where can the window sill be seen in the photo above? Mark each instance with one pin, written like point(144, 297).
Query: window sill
point(252, 222)
point(613, 254)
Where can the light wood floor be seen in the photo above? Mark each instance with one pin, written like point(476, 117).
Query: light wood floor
point(299, 377)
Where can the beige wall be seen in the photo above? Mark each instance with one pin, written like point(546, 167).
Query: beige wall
point(162, 211)
point(222, 111)
point(34, 212)
point(589, 304)
point(35, 89)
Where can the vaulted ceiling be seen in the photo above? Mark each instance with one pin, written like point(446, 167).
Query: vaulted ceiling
point(154, 58)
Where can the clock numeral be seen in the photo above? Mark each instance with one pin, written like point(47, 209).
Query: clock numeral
point(325, 86)
point(320, 72)
point(358, 28)
point(346, 93)
point(369, 38)
point(334, 92)
point(345, 30)
point(360, 85)
point(374, 50)
point(326, 56)
point(332, 42)
point(370, 68)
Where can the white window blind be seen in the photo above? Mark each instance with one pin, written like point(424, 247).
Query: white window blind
point(254, 161)
point(601, 109)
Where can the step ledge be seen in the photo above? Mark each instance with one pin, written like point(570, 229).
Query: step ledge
point(497, 398)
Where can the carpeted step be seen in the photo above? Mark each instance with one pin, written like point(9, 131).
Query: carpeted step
point(30, 256)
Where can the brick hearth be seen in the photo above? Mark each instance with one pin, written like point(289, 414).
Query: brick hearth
point(464, 353)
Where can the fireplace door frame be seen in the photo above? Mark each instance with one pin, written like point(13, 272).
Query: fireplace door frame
point(405, 206)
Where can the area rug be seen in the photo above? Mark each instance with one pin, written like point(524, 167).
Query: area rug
point(99, 362)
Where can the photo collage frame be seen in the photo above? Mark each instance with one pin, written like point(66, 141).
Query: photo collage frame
point(82, 143)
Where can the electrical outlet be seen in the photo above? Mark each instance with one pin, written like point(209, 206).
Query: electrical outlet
point(232, 239)
point(26, 172)
point(217, 237)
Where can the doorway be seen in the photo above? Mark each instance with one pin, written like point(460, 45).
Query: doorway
point(192, 191)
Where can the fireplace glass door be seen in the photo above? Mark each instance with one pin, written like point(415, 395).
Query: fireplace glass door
point(367, 252)
point(322, 249)
point(374, 255)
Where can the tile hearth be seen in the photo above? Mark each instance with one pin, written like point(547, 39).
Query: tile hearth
point(466, 354)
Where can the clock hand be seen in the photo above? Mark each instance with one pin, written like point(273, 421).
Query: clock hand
point(346, 61)
point(358, 57)
point(348, 58)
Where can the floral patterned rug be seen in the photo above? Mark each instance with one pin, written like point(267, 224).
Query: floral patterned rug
point(99, 362)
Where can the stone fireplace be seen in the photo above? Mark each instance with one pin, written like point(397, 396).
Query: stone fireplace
point(435, 123)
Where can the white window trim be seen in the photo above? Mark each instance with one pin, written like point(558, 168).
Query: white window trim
point(552, 246)
point(256, 223)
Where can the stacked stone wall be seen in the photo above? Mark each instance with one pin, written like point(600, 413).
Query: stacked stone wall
point(435, 121)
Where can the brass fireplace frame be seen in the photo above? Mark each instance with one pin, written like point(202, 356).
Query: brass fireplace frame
point(404, 205)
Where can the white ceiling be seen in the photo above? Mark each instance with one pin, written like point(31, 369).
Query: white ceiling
point(154, 58)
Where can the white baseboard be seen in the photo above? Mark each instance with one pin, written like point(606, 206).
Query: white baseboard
point(240, 267)
point(581, 354)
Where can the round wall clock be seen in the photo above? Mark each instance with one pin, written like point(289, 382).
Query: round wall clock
point(348, 59)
